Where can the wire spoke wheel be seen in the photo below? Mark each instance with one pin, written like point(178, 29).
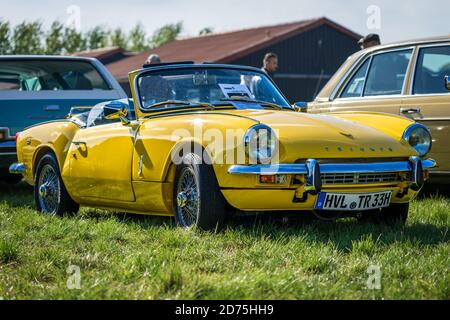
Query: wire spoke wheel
point(188, 197)
point(197, 199)
point(49, 190)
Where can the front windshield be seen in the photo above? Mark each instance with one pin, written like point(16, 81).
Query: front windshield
point(216, 86)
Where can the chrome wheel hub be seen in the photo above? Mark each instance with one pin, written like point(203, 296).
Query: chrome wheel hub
point(44, 191)
point(188, 197)
point(182, 199)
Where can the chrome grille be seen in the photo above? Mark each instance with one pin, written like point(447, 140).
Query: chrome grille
point(359, 178)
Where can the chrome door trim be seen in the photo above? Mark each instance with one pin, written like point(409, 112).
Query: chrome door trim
point(365, 77)
point(433, 119)
point(372, 97)
point(428, 95)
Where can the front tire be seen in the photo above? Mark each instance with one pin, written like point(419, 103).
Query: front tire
point(197, 199)
point(50, 194)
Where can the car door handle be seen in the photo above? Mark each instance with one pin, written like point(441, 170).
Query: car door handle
point(409, 110)
point(52, 107)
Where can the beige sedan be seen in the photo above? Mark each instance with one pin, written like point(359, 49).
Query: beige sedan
point(410, 79)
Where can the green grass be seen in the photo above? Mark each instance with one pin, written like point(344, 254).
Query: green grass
point(130, 257)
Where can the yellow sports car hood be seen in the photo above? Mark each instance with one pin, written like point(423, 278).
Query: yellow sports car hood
point(303, 136)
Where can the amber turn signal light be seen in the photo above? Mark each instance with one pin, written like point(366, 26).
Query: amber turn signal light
point(272, 179)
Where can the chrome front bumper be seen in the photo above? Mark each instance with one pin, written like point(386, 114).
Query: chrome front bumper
point(312, 169)
point(300, 168)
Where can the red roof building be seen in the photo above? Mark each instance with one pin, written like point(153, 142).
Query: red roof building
point(309, 52)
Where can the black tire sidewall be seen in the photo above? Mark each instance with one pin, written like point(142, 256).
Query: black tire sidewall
point(212, 204)
point(65, 204)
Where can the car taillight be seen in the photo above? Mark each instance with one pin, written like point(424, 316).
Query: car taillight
point(17, 135)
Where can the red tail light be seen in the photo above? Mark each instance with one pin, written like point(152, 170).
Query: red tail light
point(17, 135)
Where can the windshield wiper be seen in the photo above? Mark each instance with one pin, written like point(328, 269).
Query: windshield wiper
point(180, 103)
point(264, 103)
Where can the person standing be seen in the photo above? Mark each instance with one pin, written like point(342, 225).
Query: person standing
point(371, 40)
point(153, 59)
point(270, 64)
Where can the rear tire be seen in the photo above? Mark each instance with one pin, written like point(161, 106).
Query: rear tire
point(50, 194)
point(197, 199)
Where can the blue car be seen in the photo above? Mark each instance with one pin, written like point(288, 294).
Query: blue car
point(35, 89)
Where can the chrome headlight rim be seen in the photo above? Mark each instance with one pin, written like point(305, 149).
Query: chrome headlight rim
point(251, 156)
point(410, 130)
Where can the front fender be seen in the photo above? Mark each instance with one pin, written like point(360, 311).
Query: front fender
point(36, 141)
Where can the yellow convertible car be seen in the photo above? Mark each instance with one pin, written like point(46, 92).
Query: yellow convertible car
point(200, 140)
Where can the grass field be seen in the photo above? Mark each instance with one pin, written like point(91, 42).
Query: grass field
point(124, 256)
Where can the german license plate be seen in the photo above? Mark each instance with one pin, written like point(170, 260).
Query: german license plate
point(353, 201)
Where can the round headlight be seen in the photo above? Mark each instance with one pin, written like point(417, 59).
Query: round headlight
point(260, 144)
point(419, 137)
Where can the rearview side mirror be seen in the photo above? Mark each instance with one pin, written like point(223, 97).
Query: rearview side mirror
point(447, 82)
point(116, 110)
point(301, 106)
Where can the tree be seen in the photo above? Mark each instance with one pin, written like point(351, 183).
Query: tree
point(27, 38)
point(206, 31)
point(119, 38)
point(97, 37)
point(54, 39)
point(5, 33)
point(138, 38)
point(166, 34)
point(73, 41)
